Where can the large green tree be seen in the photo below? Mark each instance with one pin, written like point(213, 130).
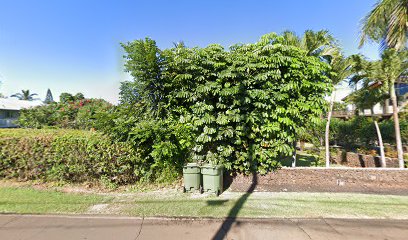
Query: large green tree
point(387, 24)
point(245, 105)
point(322, 45)
point(145, 64)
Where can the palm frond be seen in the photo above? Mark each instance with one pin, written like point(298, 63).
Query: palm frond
point(17, 95)
point(290, 38)
point(397, 26)
point(386, 24)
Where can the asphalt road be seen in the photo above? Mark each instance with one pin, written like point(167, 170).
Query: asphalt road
point(30, 227)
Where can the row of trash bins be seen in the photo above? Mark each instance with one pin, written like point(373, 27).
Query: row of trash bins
point(203, 178)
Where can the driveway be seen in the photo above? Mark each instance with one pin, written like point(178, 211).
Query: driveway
point(30, 227)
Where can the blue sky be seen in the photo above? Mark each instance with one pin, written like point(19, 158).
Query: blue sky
point(73, 45)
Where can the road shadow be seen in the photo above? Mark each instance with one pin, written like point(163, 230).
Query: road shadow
point(233, 213)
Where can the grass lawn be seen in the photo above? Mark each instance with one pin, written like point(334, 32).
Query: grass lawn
point(302, 205)
point(172, 203)
point(302, 160)
point(29, 200)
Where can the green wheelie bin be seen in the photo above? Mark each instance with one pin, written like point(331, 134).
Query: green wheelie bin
point(212, 178)
point(192, 177)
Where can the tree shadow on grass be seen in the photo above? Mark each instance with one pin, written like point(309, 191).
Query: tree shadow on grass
point(233, 213)
point(216, 202)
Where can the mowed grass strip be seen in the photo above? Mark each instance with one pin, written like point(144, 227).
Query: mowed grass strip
point(272, 205)
point(171, 203)
point(29, 200)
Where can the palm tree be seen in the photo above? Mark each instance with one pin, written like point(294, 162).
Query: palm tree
point(322, 44)
point(341, 69)
point(25, 95)
point(386, 71)
point(387, 24)
point(393, 64)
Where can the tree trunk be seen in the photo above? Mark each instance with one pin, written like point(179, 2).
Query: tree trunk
point(380, 141)
point(396, 125)
point(294, 155)
point(327, 143)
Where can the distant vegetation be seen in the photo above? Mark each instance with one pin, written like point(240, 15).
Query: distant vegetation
point(358, 132)
point(73, 111)
point(25, 95)
point(48, 97)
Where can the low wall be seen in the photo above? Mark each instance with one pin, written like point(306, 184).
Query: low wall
point(316, 179)
point(351, 159)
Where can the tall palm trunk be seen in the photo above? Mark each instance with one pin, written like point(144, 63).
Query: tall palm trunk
point(380, 141)
point(327, 143)
point(396, 125)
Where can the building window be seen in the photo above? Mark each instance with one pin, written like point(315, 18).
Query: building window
point(11, 114)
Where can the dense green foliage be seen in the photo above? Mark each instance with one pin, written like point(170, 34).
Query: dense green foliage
point(360, 132)
point(71, 156)
point(161, 145)
point(357, 132)
point(242, 108)
point(78, 114)
point(68, 97)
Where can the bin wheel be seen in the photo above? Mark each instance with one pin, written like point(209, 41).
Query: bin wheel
point(201, 190)
point(184, 189)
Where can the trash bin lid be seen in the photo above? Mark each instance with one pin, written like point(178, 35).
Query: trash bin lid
point(212, 166)
point(192, 165)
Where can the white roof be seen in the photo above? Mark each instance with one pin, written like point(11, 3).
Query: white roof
point(15, 104)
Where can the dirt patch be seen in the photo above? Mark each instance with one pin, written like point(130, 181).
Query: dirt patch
point(98, 208)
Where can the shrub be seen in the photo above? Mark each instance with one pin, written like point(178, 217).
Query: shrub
point(360, 131)
point(75, 156)
point(160, 144)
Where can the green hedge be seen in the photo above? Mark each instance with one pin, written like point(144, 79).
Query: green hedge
point(71, 156)
point(360, 131)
